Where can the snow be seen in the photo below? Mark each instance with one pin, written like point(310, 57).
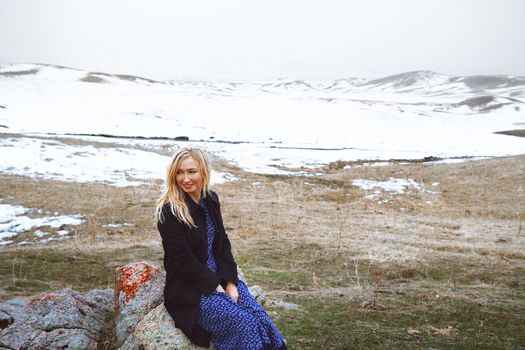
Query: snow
point(118, 166)
point(45, 240)
point(272, 127)
point(13, 221)
point(40, 233)
point(117, 225)
point(8, 211)
point(392, 185)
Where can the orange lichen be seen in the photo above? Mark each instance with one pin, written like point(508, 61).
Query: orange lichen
point(130, 278)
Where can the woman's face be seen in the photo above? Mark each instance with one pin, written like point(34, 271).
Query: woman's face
point(189, 176)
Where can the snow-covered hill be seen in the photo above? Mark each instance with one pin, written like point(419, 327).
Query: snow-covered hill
point(280, 122)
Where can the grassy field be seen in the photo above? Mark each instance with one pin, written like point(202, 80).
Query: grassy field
point(439, 266)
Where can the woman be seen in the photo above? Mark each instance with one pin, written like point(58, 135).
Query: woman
point(202, 292)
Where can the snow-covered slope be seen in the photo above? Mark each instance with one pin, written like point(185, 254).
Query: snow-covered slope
point(279, 122)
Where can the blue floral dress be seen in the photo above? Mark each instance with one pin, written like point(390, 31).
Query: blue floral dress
point(235, 325)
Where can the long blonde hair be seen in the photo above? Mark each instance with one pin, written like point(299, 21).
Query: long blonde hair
point(173, 194)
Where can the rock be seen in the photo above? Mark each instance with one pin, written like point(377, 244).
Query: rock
point(139, 289)
point(64, 339)
point(281, 304)
point(258, 294)
point(11, 310)
point(98, 298)
point(57, 320)
point(69, 319)
point(141, 319)
point(158, 331)
point(5, 320)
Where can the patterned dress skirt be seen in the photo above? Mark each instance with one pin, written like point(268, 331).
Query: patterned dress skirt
point(235, 325)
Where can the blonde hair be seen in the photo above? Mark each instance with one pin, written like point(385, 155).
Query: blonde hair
point(173, 194)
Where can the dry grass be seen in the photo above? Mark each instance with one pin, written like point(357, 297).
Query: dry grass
point(315, 238)
point(478, 213)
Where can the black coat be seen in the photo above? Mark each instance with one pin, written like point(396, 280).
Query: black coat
point(185, 258)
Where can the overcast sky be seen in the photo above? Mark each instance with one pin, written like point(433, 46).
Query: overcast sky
point(244, 40)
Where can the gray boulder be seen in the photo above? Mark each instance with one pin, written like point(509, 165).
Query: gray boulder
point(158, 331)
point(57, 320)
point(69, 319)
point(141, 319)
point(5, 320)
point(258, 294)
point(138, 290)
point(11, 310)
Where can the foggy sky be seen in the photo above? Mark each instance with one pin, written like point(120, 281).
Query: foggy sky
point(246, 40)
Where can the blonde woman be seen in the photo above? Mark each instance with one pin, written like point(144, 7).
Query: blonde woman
point(202, 292)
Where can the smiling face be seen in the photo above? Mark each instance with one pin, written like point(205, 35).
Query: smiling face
point(189, 177)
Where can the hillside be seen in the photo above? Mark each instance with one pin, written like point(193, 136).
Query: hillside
point(391, 210)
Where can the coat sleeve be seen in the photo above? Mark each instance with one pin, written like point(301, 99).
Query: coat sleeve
point(179, 259)
point(226, 266)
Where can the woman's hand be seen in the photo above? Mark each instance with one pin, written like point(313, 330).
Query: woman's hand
point(231, 290)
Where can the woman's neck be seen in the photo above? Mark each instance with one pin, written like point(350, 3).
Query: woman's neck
point(196, 197)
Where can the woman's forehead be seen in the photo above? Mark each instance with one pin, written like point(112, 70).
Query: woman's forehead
point(189, 163)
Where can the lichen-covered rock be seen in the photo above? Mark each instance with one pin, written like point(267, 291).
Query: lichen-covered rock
point(158, 331)
point(139, 289)
point(142, 321)
point(57, 320)
point(5, 320)
point(100, 298)
point(64, 339)
point(11, 310)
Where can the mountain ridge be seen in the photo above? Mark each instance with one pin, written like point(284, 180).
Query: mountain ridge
point(403, 79)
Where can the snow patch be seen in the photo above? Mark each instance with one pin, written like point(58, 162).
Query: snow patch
point(40, 233)
point(13, 221)
point(392, 185)
point(118, 225)
point(45, 240)
point(55, 160)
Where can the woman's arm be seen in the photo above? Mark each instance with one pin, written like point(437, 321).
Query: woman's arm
point(180, 259)
point(226, 266)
